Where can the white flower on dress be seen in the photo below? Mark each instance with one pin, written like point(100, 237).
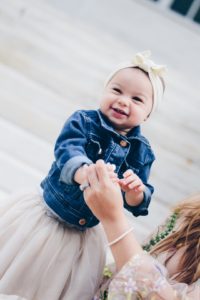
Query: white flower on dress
point(129, 286)
point(159, 284)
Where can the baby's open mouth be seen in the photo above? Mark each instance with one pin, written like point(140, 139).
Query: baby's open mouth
point(120, 111)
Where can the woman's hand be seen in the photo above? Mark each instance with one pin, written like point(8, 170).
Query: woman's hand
point(103, 196)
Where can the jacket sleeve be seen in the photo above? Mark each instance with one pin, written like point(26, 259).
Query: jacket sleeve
point(142, 208)
point(70, 147)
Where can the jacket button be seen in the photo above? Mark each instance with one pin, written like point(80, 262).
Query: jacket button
point(82, 221)
point(123, 143)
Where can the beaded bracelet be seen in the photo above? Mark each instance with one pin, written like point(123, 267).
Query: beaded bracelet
point(120, 237)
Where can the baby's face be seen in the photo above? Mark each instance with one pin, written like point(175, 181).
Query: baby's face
point(127, 99)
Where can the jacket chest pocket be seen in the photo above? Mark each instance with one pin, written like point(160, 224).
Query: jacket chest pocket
point(94, 149)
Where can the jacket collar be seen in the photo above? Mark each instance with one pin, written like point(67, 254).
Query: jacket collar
point(135, 132)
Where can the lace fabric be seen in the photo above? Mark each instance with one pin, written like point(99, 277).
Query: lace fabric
point(143, 277)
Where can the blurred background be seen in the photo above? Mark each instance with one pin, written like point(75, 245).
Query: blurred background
point(54, 58)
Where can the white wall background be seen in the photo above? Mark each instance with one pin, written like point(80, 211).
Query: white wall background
point(54, 57)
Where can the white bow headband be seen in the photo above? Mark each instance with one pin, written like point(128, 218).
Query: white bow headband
point(155, 72)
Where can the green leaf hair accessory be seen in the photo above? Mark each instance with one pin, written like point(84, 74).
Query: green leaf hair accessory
point(161, 235)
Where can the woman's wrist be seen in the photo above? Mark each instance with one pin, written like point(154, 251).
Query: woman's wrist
point(119, 238)
point(126, 245)
point(115, 227)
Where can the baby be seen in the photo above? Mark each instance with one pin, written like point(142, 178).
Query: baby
point(112, 133)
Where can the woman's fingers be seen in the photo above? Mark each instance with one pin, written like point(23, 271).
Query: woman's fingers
point(92, 175)
point(102, 172)
point(103, 196)
point(110, 167)
point(98, 174)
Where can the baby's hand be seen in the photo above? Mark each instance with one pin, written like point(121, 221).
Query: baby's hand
point(80, 175)
point(131, 182)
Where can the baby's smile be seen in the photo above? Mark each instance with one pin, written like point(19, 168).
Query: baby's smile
point(119, 111)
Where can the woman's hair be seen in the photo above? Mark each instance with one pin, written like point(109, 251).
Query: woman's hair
point(187, 235)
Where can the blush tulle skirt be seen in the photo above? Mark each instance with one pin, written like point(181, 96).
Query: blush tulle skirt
point(41, 258)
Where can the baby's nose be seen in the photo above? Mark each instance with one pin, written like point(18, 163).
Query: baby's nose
point(123, 101)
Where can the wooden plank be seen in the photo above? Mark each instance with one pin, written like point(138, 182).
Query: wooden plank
point(25, 147)
point(3, 195)
point(15, 175)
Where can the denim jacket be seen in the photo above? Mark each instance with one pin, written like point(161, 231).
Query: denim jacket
point(86, 137)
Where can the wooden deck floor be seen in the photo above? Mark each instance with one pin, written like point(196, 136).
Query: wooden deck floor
point(52, 64)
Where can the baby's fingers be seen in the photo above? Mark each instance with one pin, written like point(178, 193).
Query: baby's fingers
point(135, 183)
point(129, 177)
point(140, 188)
point(128, 173)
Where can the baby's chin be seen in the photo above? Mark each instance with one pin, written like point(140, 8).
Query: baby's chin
point(123, 131)
point(118, 127)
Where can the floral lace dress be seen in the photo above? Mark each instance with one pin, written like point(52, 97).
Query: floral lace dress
point(144, 277)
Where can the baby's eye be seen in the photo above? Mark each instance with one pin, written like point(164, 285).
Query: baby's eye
point(137, 99)
point(117, 90)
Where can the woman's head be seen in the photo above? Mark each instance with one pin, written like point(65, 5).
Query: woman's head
point(187, 235)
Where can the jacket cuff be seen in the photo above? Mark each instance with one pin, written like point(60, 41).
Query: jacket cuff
point(142, 208)
point(70, 167)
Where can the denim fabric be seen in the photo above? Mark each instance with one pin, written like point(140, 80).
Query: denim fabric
point(86, 137)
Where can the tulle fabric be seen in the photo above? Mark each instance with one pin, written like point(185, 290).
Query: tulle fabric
point(41, 258)
point(11, 297)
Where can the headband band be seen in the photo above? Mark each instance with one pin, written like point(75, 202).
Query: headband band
point(155, 72)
